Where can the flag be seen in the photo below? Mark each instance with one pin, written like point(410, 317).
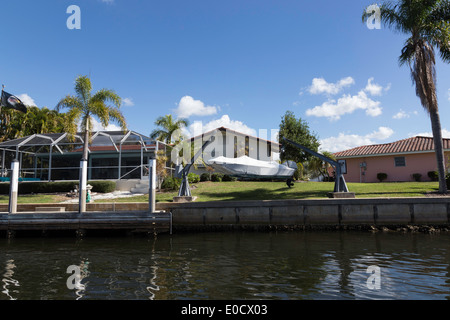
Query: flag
point(11, 101)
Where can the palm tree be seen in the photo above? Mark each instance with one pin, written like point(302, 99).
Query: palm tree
point(427, 23)
point(168, 125)
point(84, 105)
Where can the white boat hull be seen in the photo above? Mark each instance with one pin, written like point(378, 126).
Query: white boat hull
point(250, 168)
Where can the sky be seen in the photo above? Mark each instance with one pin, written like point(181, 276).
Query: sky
point(237, 63)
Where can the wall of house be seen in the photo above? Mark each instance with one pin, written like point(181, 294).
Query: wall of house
point(415, 163)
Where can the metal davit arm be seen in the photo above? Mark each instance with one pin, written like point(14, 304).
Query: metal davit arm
point(339, 184)
point(185, 190)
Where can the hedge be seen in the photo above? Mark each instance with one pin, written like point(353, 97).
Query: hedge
point(447, 179)
point(58, 186)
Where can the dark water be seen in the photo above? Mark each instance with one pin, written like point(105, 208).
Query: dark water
point(235, 265)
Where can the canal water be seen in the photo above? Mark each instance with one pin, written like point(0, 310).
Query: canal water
point(293, 265)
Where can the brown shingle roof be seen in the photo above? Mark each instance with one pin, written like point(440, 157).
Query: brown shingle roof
point(410, 145)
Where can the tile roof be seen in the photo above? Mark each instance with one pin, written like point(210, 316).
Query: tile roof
point(410, 145)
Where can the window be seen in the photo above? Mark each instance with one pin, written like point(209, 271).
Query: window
point(400, 161)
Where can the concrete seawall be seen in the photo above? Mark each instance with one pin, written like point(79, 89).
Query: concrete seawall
point(312, 213)
point(321, 213)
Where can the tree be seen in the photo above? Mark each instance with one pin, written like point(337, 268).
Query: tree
point(168, 126)
point(84, 105)
point(297, 131)
point(14, 124)
point(317, 167)
point(426, 22)
point(161, 171)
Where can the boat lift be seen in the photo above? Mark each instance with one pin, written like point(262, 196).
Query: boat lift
point(339, 184)
point(182, 173)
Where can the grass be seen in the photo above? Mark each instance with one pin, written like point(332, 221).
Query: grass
point(240, 190)
point(251, 190)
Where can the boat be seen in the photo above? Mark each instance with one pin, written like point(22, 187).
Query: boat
point(246, 167)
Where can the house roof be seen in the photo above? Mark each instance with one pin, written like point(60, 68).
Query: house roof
point(233, 132)
point(416, 144)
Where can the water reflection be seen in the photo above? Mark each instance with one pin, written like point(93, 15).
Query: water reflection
point(291, 265)
point(9, 281)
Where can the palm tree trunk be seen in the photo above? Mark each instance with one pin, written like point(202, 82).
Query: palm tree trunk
point(85, 145)
point(439, 148)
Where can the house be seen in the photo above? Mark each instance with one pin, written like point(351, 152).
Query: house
point(233, 144)
point(400, 160)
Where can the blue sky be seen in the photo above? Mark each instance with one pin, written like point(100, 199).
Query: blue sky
point(241, 64)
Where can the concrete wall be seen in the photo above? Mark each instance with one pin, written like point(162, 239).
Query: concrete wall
point(327, 212)
point(303, 213)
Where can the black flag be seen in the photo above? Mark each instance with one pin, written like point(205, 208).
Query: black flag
point(10, 101)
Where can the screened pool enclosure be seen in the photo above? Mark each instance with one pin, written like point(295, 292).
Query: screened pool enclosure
point(113, 155)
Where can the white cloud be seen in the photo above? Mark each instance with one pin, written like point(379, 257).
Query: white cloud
point(320, 85)
point(189, 107)
point(26, 99)
point(373, 88)
point(333, 109)
point(448, 92)
point(347, 141)
point(128, 102)
point(403, 114)
point(400, 115)
point(198, 127)
point(97, 126)
point(445, 134)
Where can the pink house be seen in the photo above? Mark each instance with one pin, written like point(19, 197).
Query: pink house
point(399, 160)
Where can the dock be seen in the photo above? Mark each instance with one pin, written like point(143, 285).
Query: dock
point(82, 223)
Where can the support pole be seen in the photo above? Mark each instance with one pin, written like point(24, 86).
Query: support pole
point(14, 187)
point(152, 185)
point(82, 188)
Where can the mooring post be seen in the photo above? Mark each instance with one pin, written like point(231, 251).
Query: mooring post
point(83, 186)
point(152, 185)
point(14, 186)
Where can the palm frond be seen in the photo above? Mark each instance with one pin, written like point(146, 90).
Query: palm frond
point(70, 102)
point(83, 88)
point(107, 95)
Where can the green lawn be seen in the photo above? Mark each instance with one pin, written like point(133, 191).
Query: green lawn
point(240, 190)
point(227, 191)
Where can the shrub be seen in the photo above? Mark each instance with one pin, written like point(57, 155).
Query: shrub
point(171, 183)
point(228, 178)
point(57, 186)
point(381, 176)
point(205, 177)
point(417, 176)
point(433, 175)
point(193, 178)
point(447, 179)
point(216, 177)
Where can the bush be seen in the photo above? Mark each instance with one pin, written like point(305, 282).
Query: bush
point(447, 179)
point(216, 177)
point(417, 176)
point(193, 178)
point(205, 177)
point(171, 183)
point(228, 178)
point(381, 176)
point(433, 175)
point(57, 187)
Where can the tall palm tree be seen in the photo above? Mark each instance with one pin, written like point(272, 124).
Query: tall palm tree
point(84, 105)
point(168, 125)
point(427, 23)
